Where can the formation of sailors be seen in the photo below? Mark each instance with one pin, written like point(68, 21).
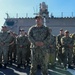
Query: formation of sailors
point(16, 48)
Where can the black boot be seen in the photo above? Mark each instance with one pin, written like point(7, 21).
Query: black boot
point(38, 66)
point(0, 65)
point(19, 65)
point(10, 62)
point(25, 66)
point(70, 67)
point(5, 66)
point(65, 66)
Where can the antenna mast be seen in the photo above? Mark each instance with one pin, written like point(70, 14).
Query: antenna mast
point(7, 15)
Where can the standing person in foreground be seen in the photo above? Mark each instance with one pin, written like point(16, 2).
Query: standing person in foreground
point(38, 36)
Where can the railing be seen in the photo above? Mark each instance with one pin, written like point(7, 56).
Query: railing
point(51, 14)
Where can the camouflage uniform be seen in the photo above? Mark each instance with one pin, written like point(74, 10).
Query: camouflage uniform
point(67, 44)
point(52, 50)
point(28, 54)
point(0, 51)
point(73, 37)
point(11, 48)
point(59, 46)
point(38, 53)
point(22, 42)
point(5, 39)
point(14, 47)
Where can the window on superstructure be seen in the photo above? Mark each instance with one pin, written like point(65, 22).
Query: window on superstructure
point(10, 23)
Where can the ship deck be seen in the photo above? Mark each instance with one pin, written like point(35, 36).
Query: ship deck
point(12, 70)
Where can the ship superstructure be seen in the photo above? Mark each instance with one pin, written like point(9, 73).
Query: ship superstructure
point(67, 23)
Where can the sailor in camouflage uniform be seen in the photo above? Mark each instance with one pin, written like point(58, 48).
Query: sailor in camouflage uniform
point(38, 36)
point(67, 44)
point(5, 39)
point(73, 38)
point(59, 46)
point(52, 50)
point(22, 42)
point(0, 51)
point(11, 47)
point(14, 47)
point(28, 54)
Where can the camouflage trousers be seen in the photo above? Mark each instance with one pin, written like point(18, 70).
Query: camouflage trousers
point(5, 54)
point(39, 57)
point(52, 58)
point(21, 55)
point(67, 55)
point(0, 56)
point(60, 55)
